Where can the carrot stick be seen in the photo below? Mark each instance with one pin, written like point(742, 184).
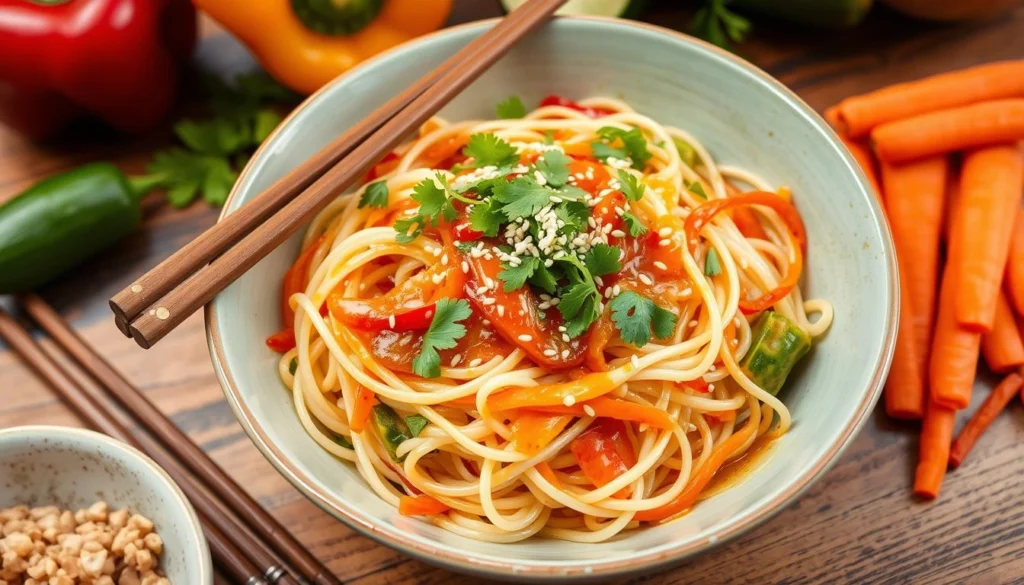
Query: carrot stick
point(936, 436)
point(946, 131)
point(549, 474)
point(859, 114)
point(990, 193)
point(1002, 347)
point(860, 151)
point(952, 202)
point(983, 417)
point(361, 408)
point(420, 506)
point(614, 408)
point(1014, 278)
point(914, 200)
point(905, 387)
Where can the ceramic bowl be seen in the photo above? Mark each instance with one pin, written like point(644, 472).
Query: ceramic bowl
point(744, 117)
point(74, 468)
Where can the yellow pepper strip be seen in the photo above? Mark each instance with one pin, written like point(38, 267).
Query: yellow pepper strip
point(586, 388)
point(532, 431)
point(305, 60)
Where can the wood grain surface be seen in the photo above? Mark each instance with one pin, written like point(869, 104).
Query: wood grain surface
point(856, 525)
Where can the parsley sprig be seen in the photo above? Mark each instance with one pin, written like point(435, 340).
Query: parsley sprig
point(444, 332)
point(636, 316)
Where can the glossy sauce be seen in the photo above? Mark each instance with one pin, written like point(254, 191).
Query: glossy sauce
point(736, 471)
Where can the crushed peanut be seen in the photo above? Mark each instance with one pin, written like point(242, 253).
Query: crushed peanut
point(93, 546)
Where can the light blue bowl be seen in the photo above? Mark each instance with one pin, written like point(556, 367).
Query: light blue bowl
point(744, 117)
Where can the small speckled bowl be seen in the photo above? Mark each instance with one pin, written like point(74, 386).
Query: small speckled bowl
point(74, 468)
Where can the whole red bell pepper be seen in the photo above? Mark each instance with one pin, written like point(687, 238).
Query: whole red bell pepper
point(116, 59)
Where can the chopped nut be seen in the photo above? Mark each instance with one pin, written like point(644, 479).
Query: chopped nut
point(119, 519)
point(154, 579)
point(143, 524)
point(129, 577)
point(92, 561)
point(154, 543)
point(98, 512)
point(18, 543)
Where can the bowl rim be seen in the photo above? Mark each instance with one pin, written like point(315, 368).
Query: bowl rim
point(645, 561)
point(125, 451)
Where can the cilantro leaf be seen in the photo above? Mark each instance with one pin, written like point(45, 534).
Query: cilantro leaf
point(408, 229)
point(574, 297)
point(697, 189)
point(717, 24)
point(712, 266)
point(184, 174)
point(603, 151)
point(444, 333)
point(343, 442)
point(263, 123)
point(488, 149)
point(433, 200)
point(219, 136)
point(574, 214)
point(218, 181)
point(544, 279)
point(634, 315)
point(522, 197)
point(511, 108)
point(588, 313)
point(554, 165)
point(602, 259)
point(630, 186)
point(515, 277)
point(375, 195)
point(634, 145)
point(416, 424)
point(635, 226)
point(486, 218)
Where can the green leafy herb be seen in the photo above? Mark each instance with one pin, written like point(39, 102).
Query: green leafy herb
point(343, 442)
point(434, 201)
point(489, 150)
point(686, 152)
point(579, 307)
point(636, 315)
point(185, 174)
point(602, 259)
point(416, 423)
point(524, 196)
point(408, 229)
point(633, 145)
point(549, 137)
point(717, 24)
point(219, 136)
point(697, 189)
point(712, 266)
point(630, 186)
point(574, 214)
point(293, 365)
point(634, 225)
point(444, 332)
point(486, 217)
point(515, 277)
point(511, 108)
point(544, 279)
point(375, 195)
point(554, 166)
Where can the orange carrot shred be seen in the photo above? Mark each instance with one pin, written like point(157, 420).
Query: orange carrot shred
point(1014, 279)
point(361, 408)
point(1002, 347)
point(996, 401)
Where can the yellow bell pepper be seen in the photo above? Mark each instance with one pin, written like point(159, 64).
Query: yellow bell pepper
point(283, 33)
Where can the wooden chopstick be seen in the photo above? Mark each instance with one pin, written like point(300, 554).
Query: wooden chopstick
point(250, 566)
point(152, 318)
point(178, 443)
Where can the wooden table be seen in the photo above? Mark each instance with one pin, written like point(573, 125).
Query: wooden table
point(857, 525)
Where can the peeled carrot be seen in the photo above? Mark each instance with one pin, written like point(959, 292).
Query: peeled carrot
point(990, 193)
point(859, 114)
point(420, 506)
point(954, 353)
point(933, 458)
point(860, 151)
point(1002, 347)
point(945, 131)
point(615, 408)
point(983, 417)
point(914, 201)
point(905, 394)
point(361, 408)
point(1014, 278)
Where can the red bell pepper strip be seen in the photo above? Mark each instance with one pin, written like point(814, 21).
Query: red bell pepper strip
point(295, 280)
point(118, 60)
point(604, 452)
point(283, 341)
point(557, 100)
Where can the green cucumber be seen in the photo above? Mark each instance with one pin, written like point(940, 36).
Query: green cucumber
point(619, 8)
point(822, 13)
point(393, 430)
point(63, 220)
point(776, 345)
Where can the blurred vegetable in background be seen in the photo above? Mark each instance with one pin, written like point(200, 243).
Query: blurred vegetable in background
point(306, 43)
point(718, 23)
point(119, 60)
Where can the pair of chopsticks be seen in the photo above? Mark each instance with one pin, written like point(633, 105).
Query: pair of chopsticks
point(165, 296)
point(247, 542)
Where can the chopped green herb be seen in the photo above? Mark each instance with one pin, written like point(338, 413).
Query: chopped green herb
point(375, 195)
point(634, 145)
point(630, 186)
point(511, 108)
point(486, 218)
point(293, 365)
point(712, 266)
point(697, 189)
point(408, 229)
point(554, 166)
point(603, 259)
point(416, 424)
point(717, 24)
point(634, 225)
point(343, 442)
point(489, 150)
point(635, 315)
point(544, 279)
point(549, 137)
point(444, 332)
point(687, 153)
point(515, 277)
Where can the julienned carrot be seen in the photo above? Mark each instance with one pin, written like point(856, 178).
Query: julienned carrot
point(361, 408)
point(905, 394)
point(945, 131)
point(1002, 347)
point(990, 193)
point(990, 409)
point(860, 151)
point(549, 474)
point(933, 457)
point(915, 195)
point(1014, 278)
point(420, 506)
point(859, 114)
point(954, 353)
point(614, 408)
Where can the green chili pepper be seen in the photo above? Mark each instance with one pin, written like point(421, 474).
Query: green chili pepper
point(776, 345)
point(392, 429)
point(60, 221)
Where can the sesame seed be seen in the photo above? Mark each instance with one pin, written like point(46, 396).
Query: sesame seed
point(391, 321)
point(635, 361)
point(646, 279)
point(664, 243)
point(565, 352)
point(465, 267)
point(476, 362)
point(436, 252)
point(643, 427)
point(501, 310)
point(693, 323)
point(616, 290)
point(687, 291)
point(562, 329)
point(569, 400)
point(550, 352)
point(618, 233)
point(566, 338)
point(665, 232)
point(524, 338)
point(711, 387)
point(660, 264)
point(481, 290)
point(589, 410)
point(444, 260)
point(488, 301)
point(608, 292)
point(456, 359)
point(437, 278)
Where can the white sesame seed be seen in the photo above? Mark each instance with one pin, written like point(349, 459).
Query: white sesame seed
point(665, 232)
point(550, 352)
point(608, 292)
point(465, 267)
point(482, 290)
point(618, 233)
point(589, 410)
point(569, 400)
point(664, 243)
point(488, 301)
point(436, 252)
point(501, 310)
point(444, 260)
point(566, 338)
point(524, 338)
point(635, 361)
point(437, 278)
point(456, 359)
point(711, 387)
point(391, 321)
point(616, 290)
point(646, 279)
point(565, 352)
point(693, 323)
point(561, 329)
point(660, 264)
point(687, 291)
point(487, 322)
point(476, 362)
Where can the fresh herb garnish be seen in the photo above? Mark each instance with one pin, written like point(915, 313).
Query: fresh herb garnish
point(687, 153)
point(511, 108)
point(621, 144)
point(444, 333)
point(602, 259)
point(489, 150)
point(524, 196)
point(375, 195)
point(697, 189)
point(579, 307)
point(634, 225)
point(636, 315)
point(293, 365)
point(717, 24)
point(416, 423)
point(630, 186)
point(515, 277)
point(486, 217)
point(343, 442)
point(554, 167)
point(712, 266)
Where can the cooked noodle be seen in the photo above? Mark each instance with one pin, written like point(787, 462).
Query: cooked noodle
point(465, 457)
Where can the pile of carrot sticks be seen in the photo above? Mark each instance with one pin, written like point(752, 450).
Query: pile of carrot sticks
point(944, 154)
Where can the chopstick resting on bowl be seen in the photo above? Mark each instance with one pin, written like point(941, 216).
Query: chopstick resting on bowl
point(243, 556)
point(162, 298)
